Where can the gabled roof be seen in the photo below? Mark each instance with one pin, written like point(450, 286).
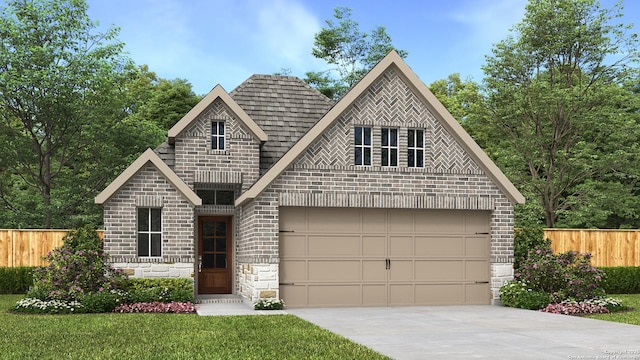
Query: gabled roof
point(148, 157)
point(217, 93)
point(285, 107)
point(439, 111)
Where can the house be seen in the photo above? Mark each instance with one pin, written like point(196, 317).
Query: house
point(274, 191)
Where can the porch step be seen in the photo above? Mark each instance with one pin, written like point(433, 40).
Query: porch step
point(218, 299)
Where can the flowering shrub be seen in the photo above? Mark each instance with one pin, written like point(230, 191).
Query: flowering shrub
point(77, 268)
point(269, 304)
point(37, 306)
point(517, 294)
point(157, 307)
point(563, 276)
point(591, 306)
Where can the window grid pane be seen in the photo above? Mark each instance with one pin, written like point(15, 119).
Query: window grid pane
point(217, 135)
point(389, 147)
point(415, 148)
point(362, 145)
point(149, 232)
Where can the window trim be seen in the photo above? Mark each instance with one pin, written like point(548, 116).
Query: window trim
point(415, 149)
point(148, 232)
point(218, 124)
point(389, 148)
point(363, 147)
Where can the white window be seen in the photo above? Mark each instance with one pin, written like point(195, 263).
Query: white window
point(149, 232)
point(389, 142)
point(217, 135)
point(415, 148)
point(363, 147)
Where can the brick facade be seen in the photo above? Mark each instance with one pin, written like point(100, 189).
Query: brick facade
point(323, 175)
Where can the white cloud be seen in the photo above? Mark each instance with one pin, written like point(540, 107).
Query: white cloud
point(489, 21)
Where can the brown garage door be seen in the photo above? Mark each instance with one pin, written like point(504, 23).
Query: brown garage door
point(380, 257)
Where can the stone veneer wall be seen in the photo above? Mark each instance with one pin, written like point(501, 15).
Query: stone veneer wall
point(148, 188)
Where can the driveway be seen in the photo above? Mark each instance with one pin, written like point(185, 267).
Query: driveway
point(477, 332)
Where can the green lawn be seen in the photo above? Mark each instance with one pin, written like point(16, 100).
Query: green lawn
point(168, 336)
point(628, 317)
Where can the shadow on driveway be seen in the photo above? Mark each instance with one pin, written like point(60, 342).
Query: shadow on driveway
point(477, 332)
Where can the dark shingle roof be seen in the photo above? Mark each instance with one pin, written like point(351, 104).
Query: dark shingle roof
point(285, 107)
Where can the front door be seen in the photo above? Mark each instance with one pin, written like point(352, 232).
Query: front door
point(214, 255)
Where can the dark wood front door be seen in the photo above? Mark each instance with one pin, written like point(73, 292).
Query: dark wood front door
point(214, 255)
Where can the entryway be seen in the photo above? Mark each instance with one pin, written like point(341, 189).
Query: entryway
point(214, 255)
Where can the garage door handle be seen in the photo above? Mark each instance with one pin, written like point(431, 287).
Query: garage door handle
point(482, 282)
point(287, 284)
point(387, 264)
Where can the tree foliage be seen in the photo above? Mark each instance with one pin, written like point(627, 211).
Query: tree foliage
point(352, 52)
point(557, 95)
point(74, 112)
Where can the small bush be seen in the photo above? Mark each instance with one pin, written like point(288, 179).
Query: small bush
point(16, 280)
point(518, 295)
point(37, 306)
point(269, 304)
point(103, 301)
point(159, 289)
point(621, 280)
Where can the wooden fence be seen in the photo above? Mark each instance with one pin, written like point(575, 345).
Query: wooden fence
point(27, 247)
point(607, 247)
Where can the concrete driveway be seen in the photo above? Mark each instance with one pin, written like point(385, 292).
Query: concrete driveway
point(477, 332)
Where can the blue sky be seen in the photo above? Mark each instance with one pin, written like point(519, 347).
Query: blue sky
point(209, 42)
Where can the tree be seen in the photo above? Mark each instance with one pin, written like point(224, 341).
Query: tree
point(555, 91)
point(351, 51)
point(64, 130)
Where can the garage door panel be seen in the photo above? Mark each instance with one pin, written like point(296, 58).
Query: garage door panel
point(477, 246)
point(293, 245)
point(401, 270)
point(374, 295)
point(477, 222)
point(293, 270)
point(335, 295)
point(374, 246)
point(439, 270)
point(333, 270)
point(294, 296)
point(338, 257)
point(439, 246)
point(327, 245)
point(400, 245)
point(439, 294)
point(400, 221)
point(476, 270)
point(477, 294)
point(333, 220)
point(401, 294)
point(374, 220)
point(374, 270)
point(439, 222)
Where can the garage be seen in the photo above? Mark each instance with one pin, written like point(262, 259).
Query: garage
point(383, 257)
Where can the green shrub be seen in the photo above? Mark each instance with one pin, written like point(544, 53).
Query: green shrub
point(159, 289)
point(103, 301)
point(621, 280)
point(518, 295)
point(16, 280)
point(525, 240)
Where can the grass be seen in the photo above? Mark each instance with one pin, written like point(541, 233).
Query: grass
point(628, 317)
point(168, 336)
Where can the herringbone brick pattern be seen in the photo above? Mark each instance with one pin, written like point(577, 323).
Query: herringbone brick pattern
point(217, 111)
point(389, 102)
